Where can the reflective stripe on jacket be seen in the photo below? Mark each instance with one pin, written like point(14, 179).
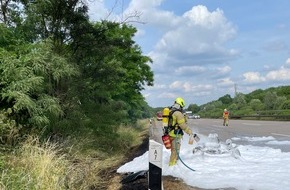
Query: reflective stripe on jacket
point(179, 121)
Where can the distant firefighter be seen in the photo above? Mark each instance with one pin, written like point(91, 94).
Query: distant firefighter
point(226, 117)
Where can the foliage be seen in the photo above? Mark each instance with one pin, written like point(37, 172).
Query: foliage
point(53, 59)
point(247, 110)
point(240, 100)
point(259, 103)
point(279, 102)
point(256, 104)
point(233, 107)
point(286, 105)
point(9, 131)
point(256, 94)
point(270, 100)
point(28, 80)
point(63, 77)
point(52, 18)
point(226, 99)
point(113, 66)
point(8, 38)
point(10, 12)
point(193, 107)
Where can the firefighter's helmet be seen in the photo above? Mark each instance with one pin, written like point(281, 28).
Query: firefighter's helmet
point(180, 101)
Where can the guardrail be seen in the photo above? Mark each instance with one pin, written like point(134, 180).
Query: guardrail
point(262, 117)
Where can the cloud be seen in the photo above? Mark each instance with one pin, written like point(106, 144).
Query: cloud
point(97, 10)
point(176, 85)
point(195, 38)
point(168, 95)
point(157, 87)
point(140, 33)
point(224, 70)
point(253, 77)
point(144, 5)
point(287, 64)
point(219, 72)
point(199, 37)
point(149, 12)
point(195, 52)
point(282, 74)
point(279, 75)
point(189, 86)
point(226, 82)
point(190, 70)
point(190, 42)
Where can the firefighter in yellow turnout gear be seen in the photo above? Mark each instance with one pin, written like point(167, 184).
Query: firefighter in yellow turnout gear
point(226, 117)
point(176, 133)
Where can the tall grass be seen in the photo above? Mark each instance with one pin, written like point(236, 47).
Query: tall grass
point(81, 165)
point(42, 166)
point(34, 166)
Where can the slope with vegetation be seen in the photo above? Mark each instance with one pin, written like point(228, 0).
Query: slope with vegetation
point(70, 94)
point(272, 103)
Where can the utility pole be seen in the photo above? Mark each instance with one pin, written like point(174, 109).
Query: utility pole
point(235, 86)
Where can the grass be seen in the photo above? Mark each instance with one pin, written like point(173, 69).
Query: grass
point(81, 163)
point(34, 166)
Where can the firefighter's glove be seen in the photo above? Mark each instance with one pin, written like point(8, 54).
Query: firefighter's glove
point(188, 131)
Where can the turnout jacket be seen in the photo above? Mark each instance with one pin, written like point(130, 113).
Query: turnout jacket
point(179, 122)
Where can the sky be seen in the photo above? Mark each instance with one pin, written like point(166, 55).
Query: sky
point(205, 49)
point(258, 168)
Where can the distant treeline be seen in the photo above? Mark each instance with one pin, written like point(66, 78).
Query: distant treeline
point(271, 103)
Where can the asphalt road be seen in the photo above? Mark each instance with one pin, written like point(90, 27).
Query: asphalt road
point(280, 130)
point(237, 128)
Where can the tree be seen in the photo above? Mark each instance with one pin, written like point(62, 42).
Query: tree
point(256, 104)
point(226, 99)
point(256, 94)
point(240, 100)
point(28, 78)
point(112, 64)
point(233, 107)
point(285, 105)
point(194, 108)
point(218, 104)
point(283, 91)
point(53, 18)
point(9, 12)
point(270, 100)
point(279, 101)
point(62, 59)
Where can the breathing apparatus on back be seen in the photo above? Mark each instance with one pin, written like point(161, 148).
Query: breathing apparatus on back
point(165, 117)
